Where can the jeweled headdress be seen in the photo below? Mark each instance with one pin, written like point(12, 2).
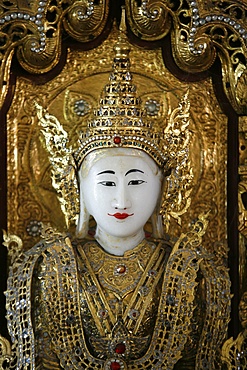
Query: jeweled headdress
point(120, 121)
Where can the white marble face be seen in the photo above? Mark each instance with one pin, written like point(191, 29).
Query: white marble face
point(121, 191)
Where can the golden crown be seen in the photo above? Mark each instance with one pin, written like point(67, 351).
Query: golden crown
point(121, 121)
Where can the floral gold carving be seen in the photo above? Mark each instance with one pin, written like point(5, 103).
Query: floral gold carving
point(151, 20)
point(242, 192)
point(84, 19)
point(5, 353)
point(234, 351)
point(199, 33)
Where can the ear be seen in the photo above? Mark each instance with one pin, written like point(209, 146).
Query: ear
point(83, 220)
point(157, 225)
point(156, 218)
point(82, 226)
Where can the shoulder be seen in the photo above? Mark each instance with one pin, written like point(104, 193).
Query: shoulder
point(51, 243)
point(165, 243)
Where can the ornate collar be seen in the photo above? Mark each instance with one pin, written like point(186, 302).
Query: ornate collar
point(118, 273)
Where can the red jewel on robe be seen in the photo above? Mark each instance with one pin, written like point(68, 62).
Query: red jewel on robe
point(120, 348)
point(115, 366)
point(117, 140)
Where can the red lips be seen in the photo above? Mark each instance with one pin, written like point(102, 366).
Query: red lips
point(120, 216)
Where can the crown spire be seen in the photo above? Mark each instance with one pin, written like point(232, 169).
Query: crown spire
point(119, 104)
point(122, 48)
point(119, 120)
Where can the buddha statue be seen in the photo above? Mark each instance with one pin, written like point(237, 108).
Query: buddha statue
point(119, 298)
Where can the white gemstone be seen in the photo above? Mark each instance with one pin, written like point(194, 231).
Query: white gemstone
point(25, 334)
point(21, 304)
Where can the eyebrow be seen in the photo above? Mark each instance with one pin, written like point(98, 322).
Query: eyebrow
point(133, 170)
point(106, 171)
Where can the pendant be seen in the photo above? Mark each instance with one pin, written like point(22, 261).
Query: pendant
point(115, 364)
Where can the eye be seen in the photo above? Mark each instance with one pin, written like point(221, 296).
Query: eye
point(136, 182)
point(107, 183)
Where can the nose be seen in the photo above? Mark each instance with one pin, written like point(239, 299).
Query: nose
point(121, 199)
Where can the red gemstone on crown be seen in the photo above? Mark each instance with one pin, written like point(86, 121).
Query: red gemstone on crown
point(117, 140)
point(120, 348)
point(115, 366)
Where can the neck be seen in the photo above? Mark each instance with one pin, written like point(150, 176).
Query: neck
point(117, 245)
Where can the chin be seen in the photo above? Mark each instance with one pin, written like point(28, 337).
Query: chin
point(125, 233)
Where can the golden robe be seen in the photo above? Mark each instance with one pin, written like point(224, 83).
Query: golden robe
point(74, 306)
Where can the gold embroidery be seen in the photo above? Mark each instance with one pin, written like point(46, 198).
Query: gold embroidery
point(135, 300)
